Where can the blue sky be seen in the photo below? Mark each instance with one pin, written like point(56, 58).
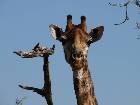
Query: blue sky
point(114, 61)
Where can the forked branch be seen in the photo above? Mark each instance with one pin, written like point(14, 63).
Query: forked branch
point(126, 11)
point(39, 51)
point(128, 2)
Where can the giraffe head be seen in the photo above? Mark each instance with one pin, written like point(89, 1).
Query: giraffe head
point(76, 40)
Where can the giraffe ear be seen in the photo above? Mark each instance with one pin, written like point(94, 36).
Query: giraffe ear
point(56, 32)
point(96, 34)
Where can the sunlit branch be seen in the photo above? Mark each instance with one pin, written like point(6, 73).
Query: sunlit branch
point(36, 52)
point(39, 51)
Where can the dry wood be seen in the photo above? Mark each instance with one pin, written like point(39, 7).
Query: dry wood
point(39, 51)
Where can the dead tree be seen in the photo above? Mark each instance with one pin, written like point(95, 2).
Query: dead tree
point(39, 51)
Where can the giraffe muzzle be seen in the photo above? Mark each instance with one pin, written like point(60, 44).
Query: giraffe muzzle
point(77, 55)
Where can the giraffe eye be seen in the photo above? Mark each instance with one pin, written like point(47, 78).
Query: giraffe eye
point(74, 55)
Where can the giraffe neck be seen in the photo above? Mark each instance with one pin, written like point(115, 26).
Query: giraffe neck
point(83, 86)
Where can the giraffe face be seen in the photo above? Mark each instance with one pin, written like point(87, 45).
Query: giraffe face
point(76, 40)
point(76, 47)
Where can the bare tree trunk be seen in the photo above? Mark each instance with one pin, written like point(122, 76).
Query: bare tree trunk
point(42, 52)
point(47, 82)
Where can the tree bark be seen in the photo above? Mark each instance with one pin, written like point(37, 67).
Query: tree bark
point(44, 52)
point(47, 82)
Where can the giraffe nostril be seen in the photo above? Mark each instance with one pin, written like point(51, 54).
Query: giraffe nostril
point(79, 55)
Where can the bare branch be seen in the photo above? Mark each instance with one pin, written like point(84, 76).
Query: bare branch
point(126, 10)
point(36, 52)
point(137, 25)
point(113, 4)
point(46, 90)
point(137, 2)
point(39, 51)
point(38, 91)
point(126, 16)
point(19, 101)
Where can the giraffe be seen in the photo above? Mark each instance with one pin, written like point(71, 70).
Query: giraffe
point(76, 41)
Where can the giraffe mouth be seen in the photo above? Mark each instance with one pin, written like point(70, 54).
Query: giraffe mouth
point(77, 64)
point(77, 60)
